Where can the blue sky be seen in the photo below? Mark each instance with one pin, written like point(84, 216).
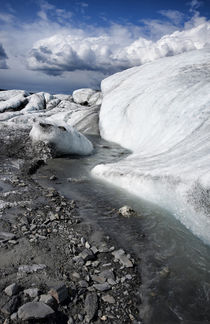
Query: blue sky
point(59, 46)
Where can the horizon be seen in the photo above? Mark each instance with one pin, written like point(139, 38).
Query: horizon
point(57, 46)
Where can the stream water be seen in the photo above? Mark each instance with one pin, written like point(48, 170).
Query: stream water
point(174, 264)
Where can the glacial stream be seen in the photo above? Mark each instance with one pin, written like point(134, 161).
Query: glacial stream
point(174, 264)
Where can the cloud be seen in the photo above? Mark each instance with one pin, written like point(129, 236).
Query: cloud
point(111, 51)
point(3, 58)
point(174, 16)
point(6, 18)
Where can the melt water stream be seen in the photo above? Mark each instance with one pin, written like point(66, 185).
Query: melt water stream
point(174, 264)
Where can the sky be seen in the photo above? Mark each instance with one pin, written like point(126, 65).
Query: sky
point(59, 46)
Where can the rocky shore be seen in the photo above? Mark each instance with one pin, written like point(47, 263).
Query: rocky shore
point(54, 268)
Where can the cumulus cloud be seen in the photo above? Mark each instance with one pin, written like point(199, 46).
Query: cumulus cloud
point(109, 54)
point(3, 58)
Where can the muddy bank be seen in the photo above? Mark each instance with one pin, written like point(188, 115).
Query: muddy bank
point(52, 257)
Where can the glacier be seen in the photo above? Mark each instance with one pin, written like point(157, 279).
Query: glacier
point(161, 112)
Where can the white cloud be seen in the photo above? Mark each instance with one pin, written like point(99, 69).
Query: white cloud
point(174, 16)
point(112, 51)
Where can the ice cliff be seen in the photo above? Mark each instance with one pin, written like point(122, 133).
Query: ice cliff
point(161, 111)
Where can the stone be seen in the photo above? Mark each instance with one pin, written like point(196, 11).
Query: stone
point(102, 287)
point(47, 299)
point(107, 274)
point(127, 211)
point(122, 258)
point(98, 279)
point(87, 255)
point(5, 236)
point(14, 317)
point(60, 293)
point(11, 289)
point(34, 310)
point(31, 292)
point(11, 306)
point(53, 177)
point(108, 299)
point(91, 306)
point(70, 320)
point(31, 268)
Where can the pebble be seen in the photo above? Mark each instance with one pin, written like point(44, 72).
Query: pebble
point(34, 310)
point(11, 289)
point(102, 287)
point(108, 299)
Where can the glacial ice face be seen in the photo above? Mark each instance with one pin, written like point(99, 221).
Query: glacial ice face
point(161, 112)
point(65, 139)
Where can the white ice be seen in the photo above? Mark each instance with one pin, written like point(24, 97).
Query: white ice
point(65, 139)
point(160, 111)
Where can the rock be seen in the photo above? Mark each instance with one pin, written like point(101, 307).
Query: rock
point(60, 293)
point(31, 292)
point(108, 299)
point(14, 317)
point(5, 236)
point(102, 287)
point(31, 268)
point(122, 258)
point(47, 299)
point(70, 320)
point(87, 255)
point(91, 305)
point(11, 306)
point(11, 289)
point(107, 274)
point(53, 177)
point(98, 279)
point(127, 211)
point(34, 310)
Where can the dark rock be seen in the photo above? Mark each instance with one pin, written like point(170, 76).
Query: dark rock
point(91, 305)
point(11, 306)
point(87, 255)
point(60, 293)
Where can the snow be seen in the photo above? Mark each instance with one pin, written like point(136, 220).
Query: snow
point(65, 139)
point(160, 111)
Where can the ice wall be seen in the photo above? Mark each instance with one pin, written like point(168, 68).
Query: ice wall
point(161, 111)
